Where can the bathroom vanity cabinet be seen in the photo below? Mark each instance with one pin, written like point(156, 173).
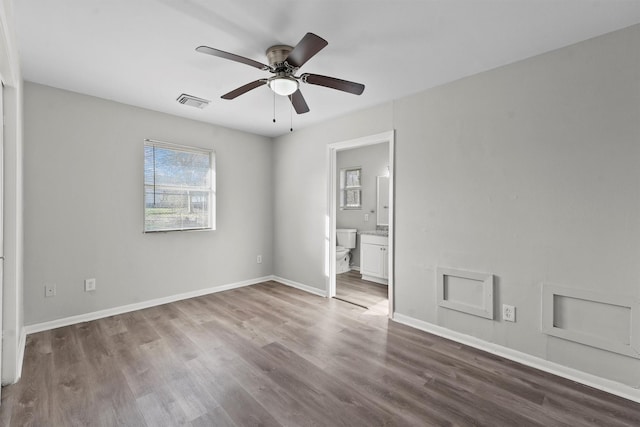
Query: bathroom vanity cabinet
point(374, 258)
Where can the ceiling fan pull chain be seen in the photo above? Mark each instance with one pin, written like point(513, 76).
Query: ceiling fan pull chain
point(291, 116)
point(274, 107)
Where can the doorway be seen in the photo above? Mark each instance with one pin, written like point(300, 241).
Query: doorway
point(362, 195)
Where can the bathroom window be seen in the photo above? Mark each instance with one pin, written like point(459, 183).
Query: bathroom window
point(350, 188)
point(179, 188)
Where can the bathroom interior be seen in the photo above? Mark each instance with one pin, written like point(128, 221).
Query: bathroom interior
point(362, 226)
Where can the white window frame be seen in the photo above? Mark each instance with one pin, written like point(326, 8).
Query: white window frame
point(211, 190)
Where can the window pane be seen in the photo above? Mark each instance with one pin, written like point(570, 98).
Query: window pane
point(178, 189)
point(353, 178)
point(177, 168)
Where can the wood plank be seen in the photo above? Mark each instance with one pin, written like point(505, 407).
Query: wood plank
point(350, 287)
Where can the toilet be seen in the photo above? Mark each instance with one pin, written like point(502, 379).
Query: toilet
point(345, 241)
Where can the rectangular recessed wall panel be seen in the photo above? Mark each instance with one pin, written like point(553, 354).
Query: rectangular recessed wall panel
point(608, 322)
point(466, 291)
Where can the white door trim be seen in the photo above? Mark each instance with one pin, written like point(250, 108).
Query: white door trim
point(1, 218)
point(330, 219)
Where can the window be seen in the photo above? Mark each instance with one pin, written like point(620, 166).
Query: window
point(179, 188)
point(350, 189)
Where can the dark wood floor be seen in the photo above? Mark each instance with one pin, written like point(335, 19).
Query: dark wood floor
point(350, 287)
point(272, 355)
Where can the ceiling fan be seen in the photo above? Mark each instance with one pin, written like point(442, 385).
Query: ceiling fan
point(284, 63)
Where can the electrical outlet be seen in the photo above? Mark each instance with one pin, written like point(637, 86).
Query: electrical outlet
point(259, 259)
point(508, 313)
point(49, 290)
point(89, 285)
point(366, 217)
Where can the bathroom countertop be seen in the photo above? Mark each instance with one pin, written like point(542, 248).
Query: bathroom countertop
point(375, 232)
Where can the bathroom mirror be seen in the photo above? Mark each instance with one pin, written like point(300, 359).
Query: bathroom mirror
point(383, 201)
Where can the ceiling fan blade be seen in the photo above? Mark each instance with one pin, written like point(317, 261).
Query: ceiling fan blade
point(299, 104)
point(233, 57)
point(243, 89)
point(305, 49)
point(333, 83)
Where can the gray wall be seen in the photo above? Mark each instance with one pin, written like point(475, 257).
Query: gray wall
point(373, 160)
point(83, 206)
point(529, 172)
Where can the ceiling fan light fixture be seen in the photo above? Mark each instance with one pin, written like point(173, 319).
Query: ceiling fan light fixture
point(283, 86)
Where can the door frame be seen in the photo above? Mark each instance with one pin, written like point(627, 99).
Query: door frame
point(1, 220)
point(332, 195)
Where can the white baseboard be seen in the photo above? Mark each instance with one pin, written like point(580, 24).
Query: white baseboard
point(585, 378)
point(355, 267)
point(377, 280)
point(12, 373)
point(86, 317)
point(302, 287)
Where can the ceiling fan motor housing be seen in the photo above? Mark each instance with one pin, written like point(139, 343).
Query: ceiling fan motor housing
point(284, 82)
point(277, 55)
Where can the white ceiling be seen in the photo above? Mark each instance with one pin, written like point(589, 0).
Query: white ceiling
point(141, 52)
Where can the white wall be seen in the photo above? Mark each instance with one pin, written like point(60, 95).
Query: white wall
point(12, 305)
point(529, 172)
point(84, 208)
point(373, 159)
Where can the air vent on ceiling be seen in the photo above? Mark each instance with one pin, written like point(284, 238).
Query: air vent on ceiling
point(193, 101)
